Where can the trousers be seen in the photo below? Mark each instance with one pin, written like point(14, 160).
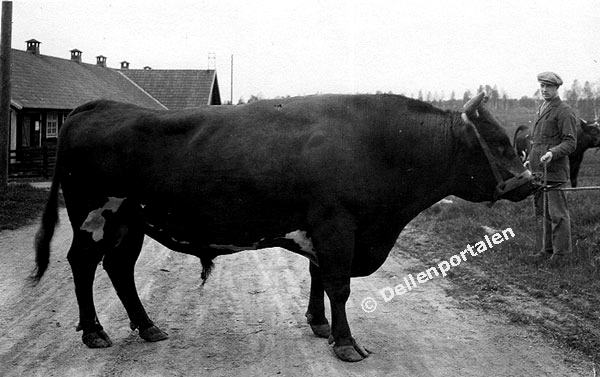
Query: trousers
point(557, 236)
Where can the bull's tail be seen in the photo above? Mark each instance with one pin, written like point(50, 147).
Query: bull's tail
point(44, 235)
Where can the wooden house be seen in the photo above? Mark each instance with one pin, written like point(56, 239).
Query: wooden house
point(45, 89)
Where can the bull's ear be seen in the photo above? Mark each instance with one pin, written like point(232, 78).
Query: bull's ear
point(473, 104)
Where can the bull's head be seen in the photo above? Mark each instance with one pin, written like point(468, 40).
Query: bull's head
point(493, 170)
point(592, 131)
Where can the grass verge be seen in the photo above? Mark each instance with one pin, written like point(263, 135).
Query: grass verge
point(561, 301)
point(21, 204)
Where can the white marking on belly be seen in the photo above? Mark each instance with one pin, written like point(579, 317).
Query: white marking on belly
point(94, 223)
point(300, 238)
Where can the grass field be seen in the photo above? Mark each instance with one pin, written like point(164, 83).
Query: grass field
point(563, 301)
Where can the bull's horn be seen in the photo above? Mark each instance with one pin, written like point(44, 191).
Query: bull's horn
point(473, 103)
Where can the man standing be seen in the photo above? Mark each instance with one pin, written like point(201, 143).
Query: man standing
point(554, 138)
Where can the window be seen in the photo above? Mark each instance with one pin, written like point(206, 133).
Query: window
point(52, 125)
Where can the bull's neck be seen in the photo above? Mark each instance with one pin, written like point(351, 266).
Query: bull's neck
point(455, 130)
point(432, 150)
point(443, 155)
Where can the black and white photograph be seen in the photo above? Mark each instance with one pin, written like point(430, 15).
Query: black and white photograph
point(299, 188)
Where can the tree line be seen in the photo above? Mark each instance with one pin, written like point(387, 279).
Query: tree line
point(585, 99)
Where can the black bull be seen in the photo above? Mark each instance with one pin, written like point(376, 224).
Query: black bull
point(349, 171)
point(588, 136)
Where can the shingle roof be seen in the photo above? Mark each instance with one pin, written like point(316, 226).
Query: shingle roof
point(178, 88)
point(45, 82)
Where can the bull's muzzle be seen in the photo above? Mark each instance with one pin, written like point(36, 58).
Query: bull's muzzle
point(515, 188)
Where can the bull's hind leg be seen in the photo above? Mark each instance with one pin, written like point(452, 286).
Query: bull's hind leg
point(124, 231)
point(315, 315)
point(84, 257)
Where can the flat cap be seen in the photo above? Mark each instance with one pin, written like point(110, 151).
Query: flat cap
point(550, 78)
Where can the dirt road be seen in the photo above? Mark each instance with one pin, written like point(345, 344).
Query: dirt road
point(248, 320)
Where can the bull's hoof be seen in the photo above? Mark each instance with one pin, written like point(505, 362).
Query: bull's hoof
point(322, 331)
point(153, 334)
point(97, 339)
point(352, 353)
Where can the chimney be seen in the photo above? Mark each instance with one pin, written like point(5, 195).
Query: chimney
point(76, 56)
point(124, 64)
point(101, 61)
point(33, 46)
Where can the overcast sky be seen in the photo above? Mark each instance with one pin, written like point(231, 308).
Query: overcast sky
point(303, 47)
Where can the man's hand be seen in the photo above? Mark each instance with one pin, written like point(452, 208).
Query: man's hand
point(546, 157)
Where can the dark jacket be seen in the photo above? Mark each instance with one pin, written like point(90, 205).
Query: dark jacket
point(555, 130)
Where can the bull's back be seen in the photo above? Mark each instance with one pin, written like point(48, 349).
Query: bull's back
point(274, 147)
point(219, 149)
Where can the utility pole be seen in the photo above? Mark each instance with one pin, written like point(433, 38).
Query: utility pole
point(231, 83)
point(5, 91)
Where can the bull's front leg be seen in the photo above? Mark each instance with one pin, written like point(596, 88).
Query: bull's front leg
point(334, 243)
point(344, 345)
